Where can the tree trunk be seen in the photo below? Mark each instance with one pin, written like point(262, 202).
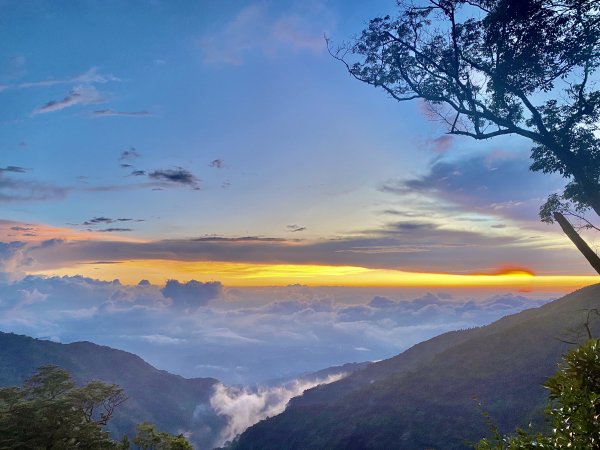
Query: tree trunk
point(581, 245)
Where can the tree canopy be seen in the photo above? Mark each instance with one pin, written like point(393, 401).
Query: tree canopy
point(50, 412)
point(573, 410)
point(148, 438)
point(489, 68)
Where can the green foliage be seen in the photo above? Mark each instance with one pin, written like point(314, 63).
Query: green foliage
point(574, 407)
point(156, 396)
point(148, 438)
point(50, 412)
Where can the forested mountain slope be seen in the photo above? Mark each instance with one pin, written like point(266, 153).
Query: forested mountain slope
point(424, 397)
point(169, 401)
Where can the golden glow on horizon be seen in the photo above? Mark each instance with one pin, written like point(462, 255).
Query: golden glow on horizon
point(510, 270)
point(247, 274)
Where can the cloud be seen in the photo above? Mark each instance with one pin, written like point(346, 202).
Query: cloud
point(114, 230)
point(297, 33)
point(112, 113)
point(161, 339)
point(19, 190)
point(191, 294)
point(97, 220)
point(13, 260)
point(243, 407)
point(91, 76)
point(250, 334)
point(217, 163)
point(20, 228)
point(103, 262)
point(442, 143)
point(14, 169)
point(257, 29)
point(138, 173)
point(107, 220)
point(479, 183)
point(238, 239)
point(408, 245)
point(295, 228)
point(129, 155)
point(79, 95)
point(176, 176)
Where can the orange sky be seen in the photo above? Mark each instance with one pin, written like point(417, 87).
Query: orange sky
point(157, 271)
point(244, 274)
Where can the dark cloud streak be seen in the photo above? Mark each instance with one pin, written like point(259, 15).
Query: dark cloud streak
point(13, 169)
point(178, 175)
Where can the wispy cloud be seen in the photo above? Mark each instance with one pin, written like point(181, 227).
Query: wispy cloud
point(112, 113)
point(79, 95)
point(91, 76)
point(442, 143)
point(479, 183)
point(295, 228)
point(114, 230)
point(256, 28)
point(217, 163)
point(107, 220)
point(14, 169)
point(20, 190)
point(129, 155)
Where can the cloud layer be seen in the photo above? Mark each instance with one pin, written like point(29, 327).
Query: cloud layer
point(243, 407)
point(498, 183)
point(238, 335)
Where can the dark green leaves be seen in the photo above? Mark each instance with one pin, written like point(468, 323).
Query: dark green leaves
point(50, 412)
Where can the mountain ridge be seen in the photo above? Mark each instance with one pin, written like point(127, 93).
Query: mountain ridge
point(154, 395)
point(424, 397)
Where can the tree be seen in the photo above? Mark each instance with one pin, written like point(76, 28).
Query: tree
point(148, 438)
point(489, 68)
point(50, 412)
point(573, 410)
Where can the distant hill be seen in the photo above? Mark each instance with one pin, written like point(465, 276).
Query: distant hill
point(173, 403)
point(169, 401)
point(320, 374)
point(423, 398)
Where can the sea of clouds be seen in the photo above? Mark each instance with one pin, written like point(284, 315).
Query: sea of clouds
point(242, 335)
point(261, 343)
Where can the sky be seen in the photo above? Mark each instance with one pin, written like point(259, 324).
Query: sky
point(201, 174)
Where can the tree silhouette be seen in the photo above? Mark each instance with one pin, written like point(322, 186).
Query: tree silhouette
point(489, 68)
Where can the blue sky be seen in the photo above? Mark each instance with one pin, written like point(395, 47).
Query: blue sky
point(249, 84)
point(209, 140)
